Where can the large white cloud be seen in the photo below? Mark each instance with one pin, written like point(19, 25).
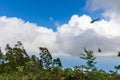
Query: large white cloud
point(79, 33)
point(31, 35)
point(70, 38)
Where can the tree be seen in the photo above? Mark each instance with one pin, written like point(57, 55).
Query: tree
point(57, 63)
point(118, 66)
point(37, 63)
point(90, 69)
point(1, 57)
point(20, 54)
point(9, 58)
point(90, 59)
point(45, 57)
point(118, 53)
point(16, 56)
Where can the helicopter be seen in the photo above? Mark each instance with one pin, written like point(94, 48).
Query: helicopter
point(94, 20)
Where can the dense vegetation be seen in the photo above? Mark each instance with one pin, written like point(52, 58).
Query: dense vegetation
point(16, 64)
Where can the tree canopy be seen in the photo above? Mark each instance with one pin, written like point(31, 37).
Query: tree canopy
point(17, 64)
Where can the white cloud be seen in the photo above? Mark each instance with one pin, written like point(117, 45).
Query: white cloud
point(79, 33)
point(110, 7)
point(70, 38)
point(104, 4)
point(31, 35)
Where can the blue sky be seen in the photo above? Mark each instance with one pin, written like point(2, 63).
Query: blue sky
point(64, 28)
point(44, 12)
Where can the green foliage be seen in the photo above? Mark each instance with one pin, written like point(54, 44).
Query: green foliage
point(89, 57)
point(57, 63)
point(15, 56)
point(16, 64)
point(118, 53)
point(47, 60)
point(117, 68)
point(45, 57)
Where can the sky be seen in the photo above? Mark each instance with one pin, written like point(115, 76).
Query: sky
point(64, 28)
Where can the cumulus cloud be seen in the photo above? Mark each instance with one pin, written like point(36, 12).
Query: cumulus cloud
point(70, 38)
point(31, 35)
point(80, 33)
point(104, 34)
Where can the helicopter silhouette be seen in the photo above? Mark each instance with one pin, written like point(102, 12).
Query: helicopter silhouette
point(94, 20)
point(99, 50)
